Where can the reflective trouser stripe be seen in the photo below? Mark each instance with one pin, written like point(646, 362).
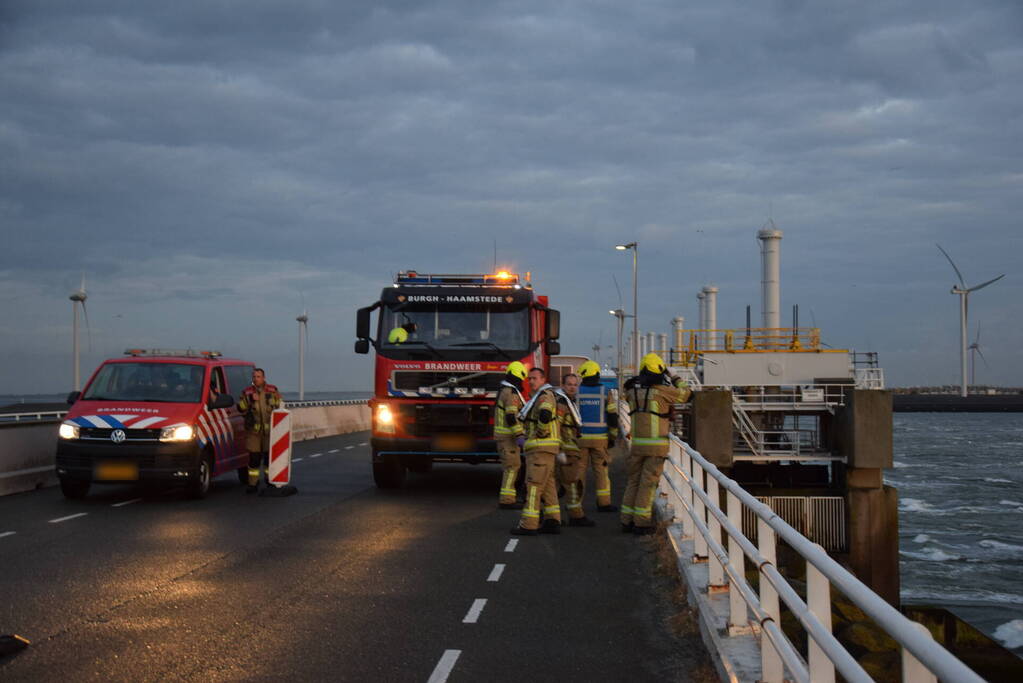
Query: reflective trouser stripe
point(552, 510)
point(530, 509)
point(253, 476)
point(532, 444)
point(627, 510)
point(650, 442)
point(602, 492)
point(508, 485)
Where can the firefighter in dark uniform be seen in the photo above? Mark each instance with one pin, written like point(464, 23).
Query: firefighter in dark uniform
point(256, 404)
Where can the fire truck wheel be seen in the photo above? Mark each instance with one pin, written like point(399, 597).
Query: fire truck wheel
point(199, 486)
point(389, 474)
point(74, 488)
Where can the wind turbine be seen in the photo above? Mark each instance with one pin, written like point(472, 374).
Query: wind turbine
point(78, 297)
point(975, 351)
point(303, 334)
point(964, 308)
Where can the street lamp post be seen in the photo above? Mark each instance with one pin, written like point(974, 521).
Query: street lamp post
point(635, 300)
point(621, 315)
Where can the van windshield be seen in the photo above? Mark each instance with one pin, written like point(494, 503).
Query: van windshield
point(166, 382)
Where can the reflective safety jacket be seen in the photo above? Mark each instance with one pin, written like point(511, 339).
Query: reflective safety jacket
point(599, 413)
point(506, 410)
point(568, 425)
point(540, 435)
point(650, 408)
point(256, 406)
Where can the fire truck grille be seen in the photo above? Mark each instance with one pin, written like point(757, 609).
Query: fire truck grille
point(413, 381)
point(103, 433)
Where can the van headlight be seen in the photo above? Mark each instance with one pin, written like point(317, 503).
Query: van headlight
point(179, 433)
point(68, 431)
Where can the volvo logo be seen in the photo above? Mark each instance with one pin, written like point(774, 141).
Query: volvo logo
point(117, 436)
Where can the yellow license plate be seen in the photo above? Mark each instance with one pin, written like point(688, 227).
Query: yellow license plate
point(117, 471)
point(453, 442)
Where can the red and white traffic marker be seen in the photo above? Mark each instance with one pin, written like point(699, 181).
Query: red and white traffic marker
point(280, 448)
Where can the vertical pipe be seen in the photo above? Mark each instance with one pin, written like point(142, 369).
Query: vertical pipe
point(770, 283)
point(736, 558)
point(699, 541)
point(771, 668)
point(635, 301)
point(818, 599)
point(688, 528)
point(301, 361)
point(621, 324)
point(716, 573)
point(913, 671)
point(711, 303)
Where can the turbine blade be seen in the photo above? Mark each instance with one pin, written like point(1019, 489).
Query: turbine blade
point(981, 354)
point(985, 284)
point(977, 340)
point(621, 305)
point(960, 275)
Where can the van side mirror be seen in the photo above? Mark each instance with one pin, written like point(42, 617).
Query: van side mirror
point(73, 396)
point(553, 347)
point(553, 324)
point(222, 401)
point(361, 346)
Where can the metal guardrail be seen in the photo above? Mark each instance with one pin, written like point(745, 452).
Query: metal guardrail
point(38, 416)
point(318, 404)
point(703, 522)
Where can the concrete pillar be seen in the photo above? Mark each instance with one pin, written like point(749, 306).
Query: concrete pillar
point(712, 426)
point(710, 303)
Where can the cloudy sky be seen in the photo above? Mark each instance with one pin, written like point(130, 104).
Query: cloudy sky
point(210, 166)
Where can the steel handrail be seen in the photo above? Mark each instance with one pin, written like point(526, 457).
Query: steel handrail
point(317, 404)
point(35, 415)
point(932, 655)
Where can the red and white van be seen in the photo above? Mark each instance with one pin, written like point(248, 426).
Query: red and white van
point(155, 415)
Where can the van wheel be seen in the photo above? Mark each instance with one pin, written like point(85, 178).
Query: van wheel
point(199, 486)
point(74, 488)
point(389, 474)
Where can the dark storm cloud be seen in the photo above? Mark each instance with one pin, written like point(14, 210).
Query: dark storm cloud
point(212, 165)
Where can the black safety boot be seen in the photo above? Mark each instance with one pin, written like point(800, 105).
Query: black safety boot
point(627, 528)
point(581, 521)
point(519, 531)
point(643, 530)
point(607, 508)
point(251, 488)
point(511, 506)
point(551, 526)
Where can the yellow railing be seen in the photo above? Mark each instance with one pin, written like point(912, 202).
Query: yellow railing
point(752, 340)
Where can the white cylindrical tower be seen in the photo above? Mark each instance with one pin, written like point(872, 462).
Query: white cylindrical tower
point(701, 299)
point(770, 281)
point(651, 342)
point(678, 326)
point(662, 347)
point(710, 304)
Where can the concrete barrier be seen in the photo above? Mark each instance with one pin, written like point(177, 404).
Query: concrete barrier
point(27, 452)
point(28, 449)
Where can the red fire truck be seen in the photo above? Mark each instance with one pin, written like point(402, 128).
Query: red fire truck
point(442, 344)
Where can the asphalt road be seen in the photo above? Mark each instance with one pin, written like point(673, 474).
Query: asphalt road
point(341, 582)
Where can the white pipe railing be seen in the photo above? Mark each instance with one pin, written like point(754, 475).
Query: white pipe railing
point(35, 416)
point(923, 660)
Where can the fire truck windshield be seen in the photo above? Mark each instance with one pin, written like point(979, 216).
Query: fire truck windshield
point(443, 329)
point(167, 382)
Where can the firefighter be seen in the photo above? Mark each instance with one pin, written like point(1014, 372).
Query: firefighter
point(572, 466)
point(599, 411)
point(543, 442)
point(256, 404)
point(651, 395)
point(508, 432)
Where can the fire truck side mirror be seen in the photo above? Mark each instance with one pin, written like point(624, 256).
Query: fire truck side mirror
point(361, 346)
point(73, 396)
point(362, 324)
point(553, 324)
point(553, 347)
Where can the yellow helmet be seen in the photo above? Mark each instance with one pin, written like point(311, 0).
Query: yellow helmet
point(589, 369)
point(516, 369)
point(398, 335)
point(653, 363)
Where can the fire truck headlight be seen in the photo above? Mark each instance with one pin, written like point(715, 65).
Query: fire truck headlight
point(68, 431)
point(384, 414)
point(178, 433)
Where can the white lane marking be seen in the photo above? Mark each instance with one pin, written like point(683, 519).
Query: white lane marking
point(363, 443)
point(334, 450)
point(348, 448)
point(473, 615)
point(7, 533)
point(296, 460)
point(495, 573)
point(64, 519)
point(125, 502)
point(510, 548)
point(315, 455)
point(444, 666)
